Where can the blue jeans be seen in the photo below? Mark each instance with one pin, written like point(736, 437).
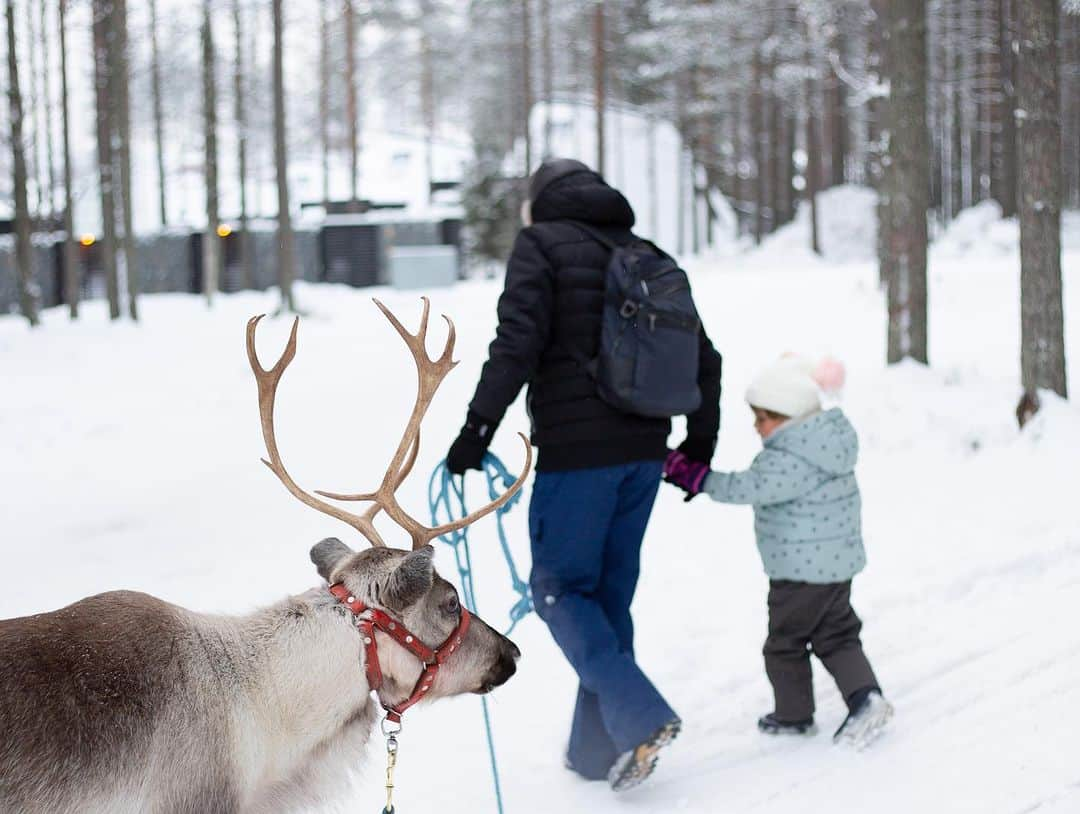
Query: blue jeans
point(586, 528)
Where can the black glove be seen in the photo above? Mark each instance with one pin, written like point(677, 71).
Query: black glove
point(467, 452)
point(698, 448)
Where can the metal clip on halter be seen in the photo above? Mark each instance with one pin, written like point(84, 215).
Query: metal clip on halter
point(390, 729)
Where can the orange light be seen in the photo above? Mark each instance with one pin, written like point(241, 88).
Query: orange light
point(224, 230)
point(87, 240)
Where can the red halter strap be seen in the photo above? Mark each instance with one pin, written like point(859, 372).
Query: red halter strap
point(370, 619)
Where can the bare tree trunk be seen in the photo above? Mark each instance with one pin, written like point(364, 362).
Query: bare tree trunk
point(324, 95)
point(427, 101)
point(159, 116)
point(774, 141)
point(548, 72)
point(757, 128)
point(526, 78)
point(118, 78)
point(1071, 93)
point(24, 259)
point(286, 268)
point(71, 261)
point(738, 191)
point(984, 90)
point(599, 81)
point(46, 84)
point(1005, 191)
point(240, 114)
point(909, 187)
point(103, 44)
point(352, 107)
point(838, 121)
point(813, 153)
point(210, 245)
point(1042, 347)
point(33, 116)
point(959, 188)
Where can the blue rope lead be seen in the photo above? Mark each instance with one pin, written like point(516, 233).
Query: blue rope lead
point(446, 498)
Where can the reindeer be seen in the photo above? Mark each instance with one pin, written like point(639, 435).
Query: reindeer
point(124, 703)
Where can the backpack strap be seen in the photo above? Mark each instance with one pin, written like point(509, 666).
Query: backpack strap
point(596, 234)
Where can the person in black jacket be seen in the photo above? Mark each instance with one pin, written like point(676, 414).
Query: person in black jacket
point(598, 469)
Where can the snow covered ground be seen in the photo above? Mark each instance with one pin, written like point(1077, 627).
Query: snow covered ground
point(129, 458)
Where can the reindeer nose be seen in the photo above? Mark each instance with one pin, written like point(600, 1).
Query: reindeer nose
point(515, 653)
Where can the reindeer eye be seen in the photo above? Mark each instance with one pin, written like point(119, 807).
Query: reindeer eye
point(451, 606)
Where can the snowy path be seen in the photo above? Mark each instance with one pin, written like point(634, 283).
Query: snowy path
point(130, 459)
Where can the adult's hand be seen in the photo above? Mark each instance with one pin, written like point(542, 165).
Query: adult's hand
point(689, 475)
point(698, 448)
point(467, 451)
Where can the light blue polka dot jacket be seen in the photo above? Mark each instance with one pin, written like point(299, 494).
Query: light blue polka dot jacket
point(805, 498)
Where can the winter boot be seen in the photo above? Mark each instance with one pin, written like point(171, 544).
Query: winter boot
point(865, 722)
point(633, 767)
point(771, 725)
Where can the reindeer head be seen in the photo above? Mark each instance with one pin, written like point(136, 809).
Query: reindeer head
point(402, 583)
point(406, 586)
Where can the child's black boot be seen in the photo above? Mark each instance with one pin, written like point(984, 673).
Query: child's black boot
point(771, 725)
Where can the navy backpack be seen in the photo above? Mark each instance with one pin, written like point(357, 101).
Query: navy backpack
point(647, 362)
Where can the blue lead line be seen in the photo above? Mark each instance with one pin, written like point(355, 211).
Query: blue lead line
point(446, 499)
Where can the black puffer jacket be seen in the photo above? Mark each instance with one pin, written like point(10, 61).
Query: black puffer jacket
point(553, 300)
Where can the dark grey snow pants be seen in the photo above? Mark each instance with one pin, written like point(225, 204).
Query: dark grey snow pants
point(807, 618)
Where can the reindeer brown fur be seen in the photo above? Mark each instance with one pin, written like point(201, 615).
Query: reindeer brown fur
point(124, 703)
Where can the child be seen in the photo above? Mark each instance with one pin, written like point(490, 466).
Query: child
point(806, 518)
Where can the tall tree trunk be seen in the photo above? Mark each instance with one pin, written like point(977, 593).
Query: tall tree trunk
point(909, 187)
point(159, 117)
point(548, 72)
point(813, 152)
point(103, 44)
point(352, 106)
point(1042, 347)
point(211, 241)
point(36, 165)
point(984, 90)
point(738, 189)
point(286, 267)
point(770, 136)
point(71, 260)
point(757, 128)
point(118, 79)
point(427, 99)
point(46, 86)
point(240, 114)
point(526, 79)
point(1005, 191)
point(838, 121)
point(324, 95)
point(599, 81)
point(1070, 95)
point(24, 259)
point(959, 188)
point(774, 162)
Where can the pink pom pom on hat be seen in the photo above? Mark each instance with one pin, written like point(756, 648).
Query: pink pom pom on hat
point(830, 375)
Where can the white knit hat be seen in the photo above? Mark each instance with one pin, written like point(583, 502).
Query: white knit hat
point(787, 387)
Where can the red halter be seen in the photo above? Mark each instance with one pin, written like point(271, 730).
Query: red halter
point(433, 659)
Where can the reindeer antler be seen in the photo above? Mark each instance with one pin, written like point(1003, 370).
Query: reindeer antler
point(430, 374)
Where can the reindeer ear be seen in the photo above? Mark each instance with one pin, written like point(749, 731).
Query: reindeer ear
point(327, 554)
point(411, 579)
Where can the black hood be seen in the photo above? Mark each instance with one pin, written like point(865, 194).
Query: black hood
point(583, 196)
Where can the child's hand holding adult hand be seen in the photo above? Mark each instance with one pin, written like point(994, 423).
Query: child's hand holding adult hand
point(686, 473)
